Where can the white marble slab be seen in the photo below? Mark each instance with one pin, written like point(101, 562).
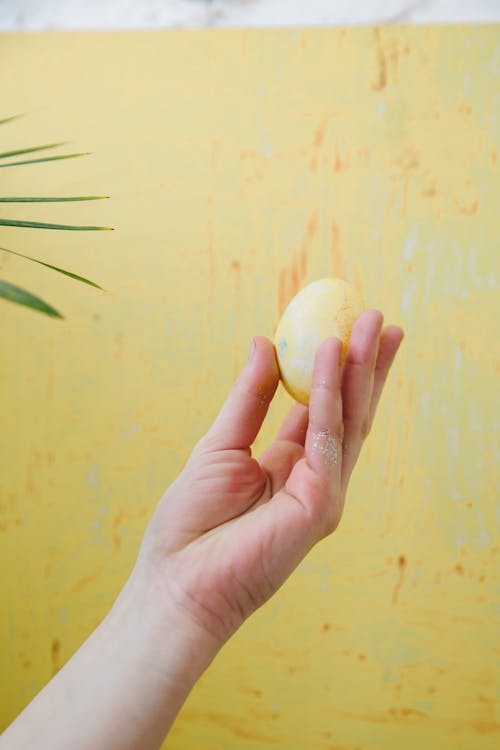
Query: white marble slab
point(142, 14)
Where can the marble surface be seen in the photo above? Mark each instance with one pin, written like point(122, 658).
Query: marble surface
point(143, 14)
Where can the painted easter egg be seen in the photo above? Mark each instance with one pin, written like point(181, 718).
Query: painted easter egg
point(325, 308)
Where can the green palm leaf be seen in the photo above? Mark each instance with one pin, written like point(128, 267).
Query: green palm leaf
point(54, 268)
point(15, 293)
point(44, 225)
point(17, 199)
point(12, 117)
point(17, 151)
point(22, 297)
point(47, 158)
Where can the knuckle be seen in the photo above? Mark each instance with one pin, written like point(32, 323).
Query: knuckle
point(332, 519)
point(206, 444)
point(335, 431)
point(365, 427)
point(358, 358)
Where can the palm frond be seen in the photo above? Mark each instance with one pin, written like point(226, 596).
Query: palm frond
point(17, 151)
point(19, 199)
point(8, 290)
point(47, 158)
point(54, 268)
point(20, 296)
point(45, 225)
point(12, 117)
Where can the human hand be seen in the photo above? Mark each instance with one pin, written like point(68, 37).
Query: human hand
point(222, 540)
point(231, 529)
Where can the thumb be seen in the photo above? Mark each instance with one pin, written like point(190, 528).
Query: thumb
point(240, 419)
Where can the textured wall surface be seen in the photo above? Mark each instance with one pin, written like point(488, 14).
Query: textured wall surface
point(242, 165)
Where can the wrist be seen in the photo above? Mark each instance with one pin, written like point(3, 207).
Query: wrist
point(167, 641)
point(125, 685)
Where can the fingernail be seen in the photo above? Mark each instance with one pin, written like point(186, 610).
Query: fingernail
point(252, 349)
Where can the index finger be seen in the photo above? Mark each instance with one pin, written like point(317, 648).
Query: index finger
point(241, 416)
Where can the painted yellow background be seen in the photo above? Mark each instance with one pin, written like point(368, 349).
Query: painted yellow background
point(242, 165)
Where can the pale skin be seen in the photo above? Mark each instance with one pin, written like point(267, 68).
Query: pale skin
point(224, 537)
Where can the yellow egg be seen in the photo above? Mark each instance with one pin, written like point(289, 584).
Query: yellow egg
point(325, 308)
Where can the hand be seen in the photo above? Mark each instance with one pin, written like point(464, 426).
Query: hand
point(224, 537)
point(231, 529)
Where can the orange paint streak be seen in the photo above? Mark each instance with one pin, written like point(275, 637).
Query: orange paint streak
point(55, 653)
point(465, 108)
point(337, 261)
point(318, 140)
point(231, 723)
point(401, 561)
point(117, 521)
point(409, 712)
point(470, 209)
point(429, 192)
point(236, 267)
point(256, 692)
point(381, 81)
point(82, 582)
point(291, 277)
point(337, 163)
point(319, 135)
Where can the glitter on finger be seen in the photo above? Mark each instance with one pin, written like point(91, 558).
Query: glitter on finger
point(326, 445)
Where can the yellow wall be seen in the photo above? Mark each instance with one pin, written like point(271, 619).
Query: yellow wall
point(242, 165)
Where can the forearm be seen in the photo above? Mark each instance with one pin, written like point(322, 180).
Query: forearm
point(124, 687)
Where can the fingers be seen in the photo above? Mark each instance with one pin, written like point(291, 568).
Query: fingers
point(243, 412)
point(357, 386)
point(390, 339)
point(323, 446)
point(281, 456)
point(315, 480)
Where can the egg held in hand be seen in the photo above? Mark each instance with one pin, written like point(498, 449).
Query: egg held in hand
point(323, 309)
